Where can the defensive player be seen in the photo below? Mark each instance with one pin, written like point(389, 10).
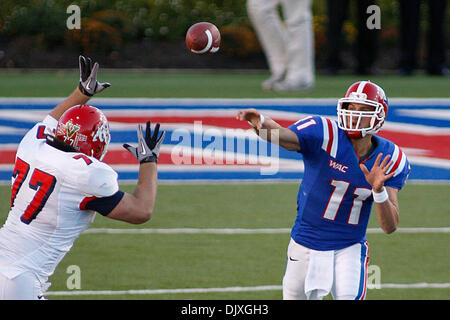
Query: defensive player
point(58, 184)
point(347, 169)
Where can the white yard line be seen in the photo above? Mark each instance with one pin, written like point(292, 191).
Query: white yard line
point(230, 289)
point(242, 230)
point(235, 289)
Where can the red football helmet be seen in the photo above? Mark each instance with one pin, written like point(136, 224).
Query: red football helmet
point(367, 93)
point(86, 129)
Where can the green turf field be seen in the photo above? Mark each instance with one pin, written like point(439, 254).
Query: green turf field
point(113, 262)
point(209, 85)
point(150, 261)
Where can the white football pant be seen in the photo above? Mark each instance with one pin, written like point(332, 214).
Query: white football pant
point(348, 269)
point(288, 45)
point(23, 287)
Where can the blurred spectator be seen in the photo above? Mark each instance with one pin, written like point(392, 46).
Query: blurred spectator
point(366, 42)
point(409, 32)
point(288, 45)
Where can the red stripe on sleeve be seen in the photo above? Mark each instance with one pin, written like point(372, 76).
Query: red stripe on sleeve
point(330, 136)
point(85, 201)
point(397, 163)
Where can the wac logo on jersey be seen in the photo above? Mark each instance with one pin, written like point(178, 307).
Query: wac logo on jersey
point(337, 166)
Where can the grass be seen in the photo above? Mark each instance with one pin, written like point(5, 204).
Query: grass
point(164, 261)
point(208, 85)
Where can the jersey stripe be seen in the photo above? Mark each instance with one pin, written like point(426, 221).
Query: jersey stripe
point(335, 140)
point(401, 165)
point(325, 134)
point(103, 205)
point(330, 140)
point(394, 158)
point(331, 136)
point(85, 201)
point(361, 295)
point(399, 161)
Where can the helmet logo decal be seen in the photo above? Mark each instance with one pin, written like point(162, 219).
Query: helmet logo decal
point(71, 129)
point(358, 95)
point(68, 131)
point(102, 133)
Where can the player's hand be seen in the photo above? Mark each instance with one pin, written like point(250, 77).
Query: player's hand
point(88, 78)
point(148, 146)
point(377, 175)
point(252, 116)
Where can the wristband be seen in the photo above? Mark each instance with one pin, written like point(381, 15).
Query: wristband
point(380, 197)
point(83, 90)
point(152, 158)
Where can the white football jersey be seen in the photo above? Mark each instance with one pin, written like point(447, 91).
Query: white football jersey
point(48, 188)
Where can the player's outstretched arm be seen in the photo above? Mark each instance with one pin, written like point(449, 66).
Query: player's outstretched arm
point(87, 87)
point(270, 130)
point(138, 207)
point(386, 201)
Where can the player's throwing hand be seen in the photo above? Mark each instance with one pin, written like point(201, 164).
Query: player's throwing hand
point(377, 175)
point(252, 116)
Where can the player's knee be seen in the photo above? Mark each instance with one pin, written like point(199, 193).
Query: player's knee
point(291, 293)
point(293, 289)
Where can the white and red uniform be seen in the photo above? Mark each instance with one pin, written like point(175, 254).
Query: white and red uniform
point(51, 205)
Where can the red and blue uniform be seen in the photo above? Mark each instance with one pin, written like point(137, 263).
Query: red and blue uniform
point(334, 200)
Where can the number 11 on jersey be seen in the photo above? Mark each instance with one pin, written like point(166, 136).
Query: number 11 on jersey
point(337, 196)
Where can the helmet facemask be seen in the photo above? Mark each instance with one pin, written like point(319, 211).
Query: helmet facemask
point(346, 117)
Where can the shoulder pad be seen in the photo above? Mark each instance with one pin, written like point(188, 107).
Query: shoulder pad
point(98, 180)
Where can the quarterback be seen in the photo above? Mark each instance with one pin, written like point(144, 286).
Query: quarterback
point(59, 182)
point(347, 169)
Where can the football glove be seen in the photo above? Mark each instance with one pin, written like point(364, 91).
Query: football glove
point(148, 146)
point(88, 78)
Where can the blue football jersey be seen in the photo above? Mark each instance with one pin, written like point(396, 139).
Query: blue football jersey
point(334, 199)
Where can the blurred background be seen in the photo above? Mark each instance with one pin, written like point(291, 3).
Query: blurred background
point(150, 34)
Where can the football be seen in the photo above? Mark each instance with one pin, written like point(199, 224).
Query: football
point(203, 38)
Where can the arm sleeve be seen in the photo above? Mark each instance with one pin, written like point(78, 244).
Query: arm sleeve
point(100, 186)
point(50, 124)
point(400, 177)
point(102, 205)
point(99, 180)
point(310, 134)
point(39, 131)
